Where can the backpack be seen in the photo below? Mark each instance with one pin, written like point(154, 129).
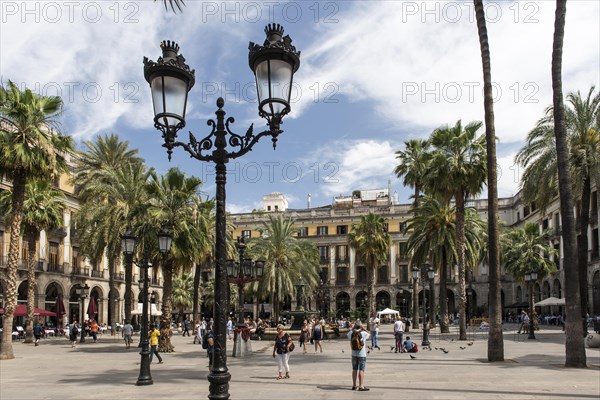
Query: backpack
point(205, 341)
point(75, 330)
point(356, 342)
point(415, 348)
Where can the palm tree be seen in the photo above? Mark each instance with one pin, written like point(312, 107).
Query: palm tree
point(433, 238)
point(287, 260)
point(29, 149)
point(540, 179)
point(458, 170)
point(371, 241)
point(205, 223)
point(182, 295)
point(42, 210)
point(527, 248)
point(575, 348)
point(495, 337)
point(173, 4)
point(116, 199)
point(173, 200)
point(413, 164)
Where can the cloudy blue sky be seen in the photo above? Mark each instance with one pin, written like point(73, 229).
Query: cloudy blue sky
point(373, 74)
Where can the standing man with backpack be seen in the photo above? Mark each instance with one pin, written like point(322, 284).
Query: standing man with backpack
point(374, 328)
point(398, 333)
point(358, 337)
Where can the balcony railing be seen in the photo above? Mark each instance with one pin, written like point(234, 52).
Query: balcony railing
point(81, 271)
point(155, 281)
point(57, 268)
point(119, 276)
point(97, 274)
point(39, 266)
point(324, 260)
point(343, 259)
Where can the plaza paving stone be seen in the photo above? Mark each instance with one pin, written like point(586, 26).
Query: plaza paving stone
point(106, 370)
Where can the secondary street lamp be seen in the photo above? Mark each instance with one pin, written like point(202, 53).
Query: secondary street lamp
point(240, 273)
point(530, 278)
point(427, 273)
point(274, 64)
point(128, 242)
point(83, 292)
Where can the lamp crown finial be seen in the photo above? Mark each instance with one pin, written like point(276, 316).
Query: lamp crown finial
point(169, 48)
point(274, 32)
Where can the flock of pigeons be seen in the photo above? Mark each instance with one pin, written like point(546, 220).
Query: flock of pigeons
point(413, 357)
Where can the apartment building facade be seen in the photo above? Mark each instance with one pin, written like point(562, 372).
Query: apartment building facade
point(344, 284)
point(61, 267)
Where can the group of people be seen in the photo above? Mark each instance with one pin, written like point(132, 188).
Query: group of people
point(89, 328)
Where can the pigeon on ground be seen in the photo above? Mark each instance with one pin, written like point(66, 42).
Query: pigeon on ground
point(368, 351)
point(392, 348)
point(452, 340)
point(343, 351)
point(445, 351)
point(413, 357)
point(436, 348)
point(470, 344)
point(462, 347)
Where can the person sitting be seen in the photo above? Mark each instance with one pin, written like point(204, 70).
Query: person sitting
point(409, 346)
point(334, 327)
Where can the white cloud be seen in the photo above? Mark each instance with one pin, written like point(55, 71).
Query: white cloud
point(361, 164)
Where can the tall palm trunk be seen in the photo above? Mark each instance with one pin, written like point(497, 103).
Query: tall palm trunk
point(31, 236)
point(460, 249)
point(444, 323)
point(164, 343)
point(18, 197)
point(128, 283)
point(495, 337)
point(583, 220)
point(197, 274)
point(574, 346)
point(112, 295)
point(371, 286)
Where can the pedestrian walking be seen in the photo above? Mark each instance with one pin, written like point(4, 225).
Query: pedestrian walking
point(154, 335)
point(73, 332)
point(127, 333)
point(229, 329)
point(304, 333)
point(186, 327)
point(374, 329)
point(94, 330)
point(281, 351)
point(398, 333)
point(318, 334)
point(37, 332)
point(358, 337)
point(524, 322)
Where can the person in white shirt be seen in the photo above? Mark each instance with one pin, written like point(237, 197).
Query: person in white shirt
point(398, 333)
point(359, 357)
point(374, 329)
point(229, 329)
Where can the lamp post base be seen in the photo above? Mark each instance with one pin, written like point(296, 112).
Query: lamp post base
point(531, 329)
point(425, 342)
point(241, 347)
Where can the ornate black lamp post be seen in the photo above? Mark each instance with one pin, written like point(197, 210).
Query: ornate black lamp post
point(82, 291)
point(128, 242)
point(300, 295)
point(240, 273)
point(274, 64)
point(427, 273)
point(414, 286)
point(530, 278)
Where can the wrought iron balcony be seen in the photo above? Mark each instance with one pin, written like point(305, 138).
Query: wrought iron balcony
point(119, 276)
point(55, 267)
point(97, 273)
point(81, 271)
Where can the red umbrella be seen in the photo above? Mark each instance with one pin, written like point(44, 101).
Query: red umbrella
point(21, 311)
point(92, 308)
point(59, 308)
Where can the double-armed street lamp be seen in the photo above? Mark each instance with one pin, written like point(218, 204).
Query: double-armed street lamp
point(427, 273)
point(530, 278)
point(82, 291)
point(241, 273)
point(128, 242)
point(274, 64)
